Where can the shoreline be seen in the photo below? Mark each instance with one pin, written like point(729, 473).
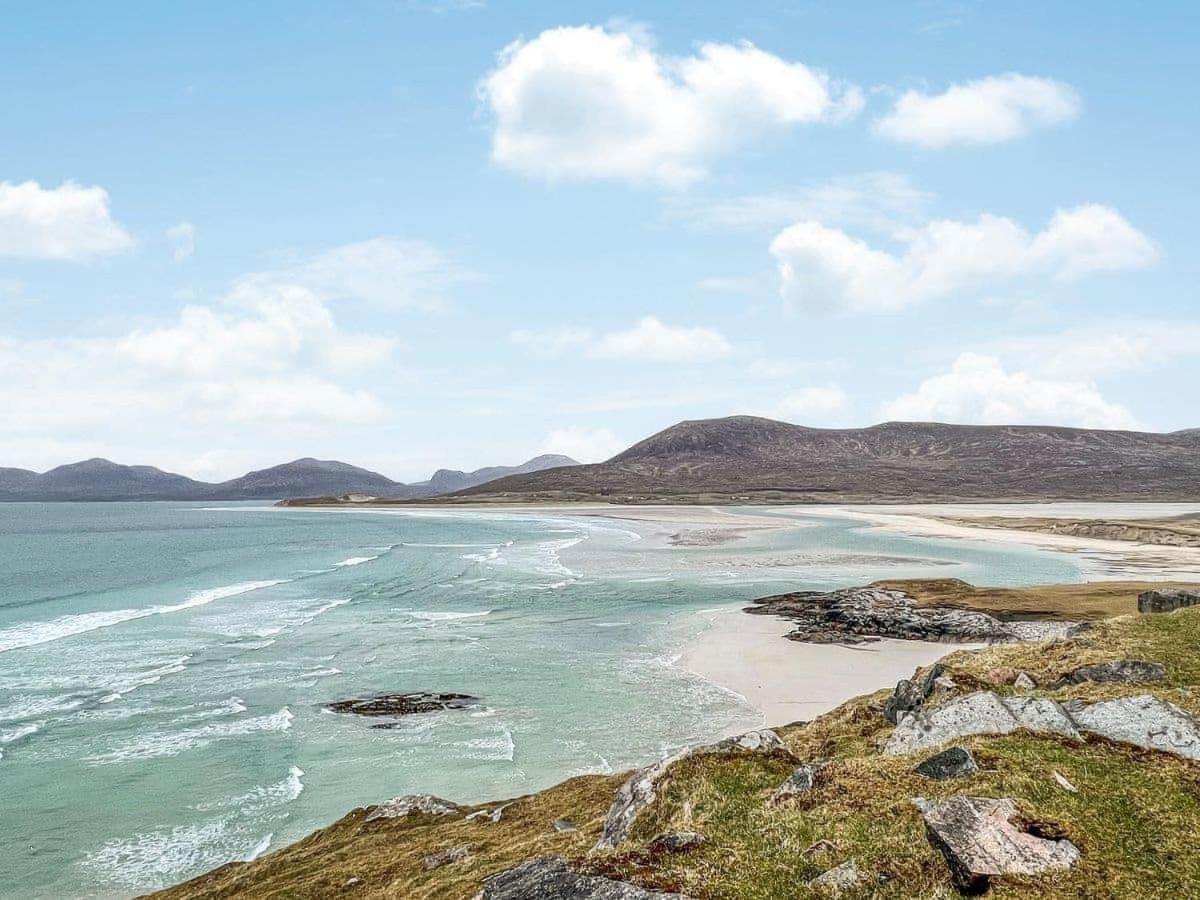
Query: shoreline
point(788, 681)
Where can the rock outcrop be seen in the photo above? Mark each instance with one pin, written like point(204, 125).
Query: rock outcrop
point(395, 705)
point(910, 694)
point(1167, 600)
point(1124, 671)
point(839, 878)
point(801, 781)
point(412, 804)
point(954, 762)
point(640, 790)
point(978, 840)
point(550, 878)
point(852, 615)
point(1144, 721)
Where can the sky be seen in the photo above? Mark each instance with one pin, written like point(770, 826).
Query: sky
point(411, 234)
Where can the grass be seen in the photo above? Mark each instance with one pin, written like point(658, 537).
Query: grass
point(1134, 816)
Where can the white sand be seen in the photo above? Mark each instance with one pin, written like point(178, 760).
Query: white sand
point(789, 681)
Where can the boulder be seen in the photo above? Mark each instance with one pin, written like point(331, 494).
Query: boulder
point(446, 857)
point(801, 781)
point(1024, 682)
point(550, 878)
point(839, 878)
point(955, 762)
point(1144, 721)
point(1001, 674)
point(640, 790)
point(1063, 783)
point(412, 804)
point(978, 841)
point(564, 825)
point(491, 815)
point(1125, 671)
point(676, 842)
point(910, 694)
point(1167, 600)
point(979, 713)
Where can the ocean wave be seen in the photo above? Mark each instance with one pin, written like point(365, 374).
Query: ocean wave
point(432, 616)
point(261, 797)
point(499, 747)
point(131, 683)
point(29, 634)
point(355, 561)
point(492, 554)
point(172, 743)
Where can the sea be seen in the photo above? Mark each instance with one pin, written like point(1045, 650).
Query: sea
point(165, 667)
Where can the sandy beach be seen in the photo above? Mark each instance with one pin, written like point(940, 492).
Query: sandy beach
point(789, 681)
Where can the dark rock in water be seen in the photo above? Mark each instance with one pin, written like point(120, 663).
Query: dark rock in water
point(412, 804)
point(1167, 600)
point(446, 857)
point(550, 878)
point(854, 615)
point(910, 694)
point(401, 704)
point(676, 842)
point(1125, 671)
point(956, 762)
point(801, 781)
point(978, 841)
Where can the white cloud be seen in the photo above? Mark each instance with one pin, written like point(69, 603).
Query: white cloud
point(550, 342)
point(820, 266)
point(652, 341)
point(182, 238)
point(817, 404)
point(881, 201)
point(986, 111)
point(1122, 346)
point(978, 389)
point(586, 445)
point(385, 271)
point(590, 102)
point(70, 222)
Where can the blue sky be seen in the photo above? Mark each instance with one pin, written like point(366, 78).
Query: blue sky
point(415, 234)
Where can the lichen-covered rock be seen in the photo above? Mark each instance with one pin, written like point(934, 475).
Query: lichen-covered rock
point(801, 781)
point(954, 762)
point(839, 878)
point(412, 804)
point(640, 790)
point(1167, 600)
point(550, 878)
point(910, 694)
point(979, 713)
point(1124, 671)
point(978, 841)
point(446, 857)
point(676, 842)
point(1144, 721)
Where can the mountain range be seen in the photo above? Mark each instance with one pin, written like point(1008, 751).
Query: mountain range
point(100, 479)
point(751, 459)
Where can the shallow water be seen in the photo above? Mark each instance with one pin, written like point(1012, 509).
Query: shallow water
point(163, 666)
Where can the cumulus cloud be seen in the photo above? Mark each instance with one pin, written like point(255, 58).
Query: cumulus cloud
point(821, 266)
point(1130, 345)
point(986, 111)
point(586, 445)
point(70, 222)
point(182, 238)
point(977, 389)
point(817, 404)
point(600, 103)
point(652, 341)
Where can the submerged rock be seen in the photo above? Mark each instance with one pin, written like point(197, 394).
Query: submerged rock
point(640, 790)
point(910, 694)
point(956, 762)
point(446, 857)
point(976, 837)
point(839, 878)
point(412, 804)
point(1167, 600)
point(1126, 671)
point(852, 615)
point(550, 878)
point(388, 705)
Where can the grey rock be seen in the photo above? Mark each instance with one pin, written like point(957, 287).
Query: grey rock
point(640, 790)
point(550, 878)
point(910, 694)
point(1126, 671)
point(979, 713)
point(1144, 721)
point(978, 841)
point(1024, 682)
point(839, 878)
point(954, 762)
point(564, 825)
point(491, 815)
point(412, 804)
point(801, 781)
point(446, 857)
point(402, 704)
point(676, 842)
point(1064, 783)
point(1167, 600)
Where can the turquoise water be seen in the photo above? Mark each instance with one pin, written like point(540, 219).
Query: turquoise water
point(163, 666)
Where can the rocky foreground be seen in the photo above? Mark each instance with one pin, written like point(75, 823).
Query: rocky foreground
point(1062, 767)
